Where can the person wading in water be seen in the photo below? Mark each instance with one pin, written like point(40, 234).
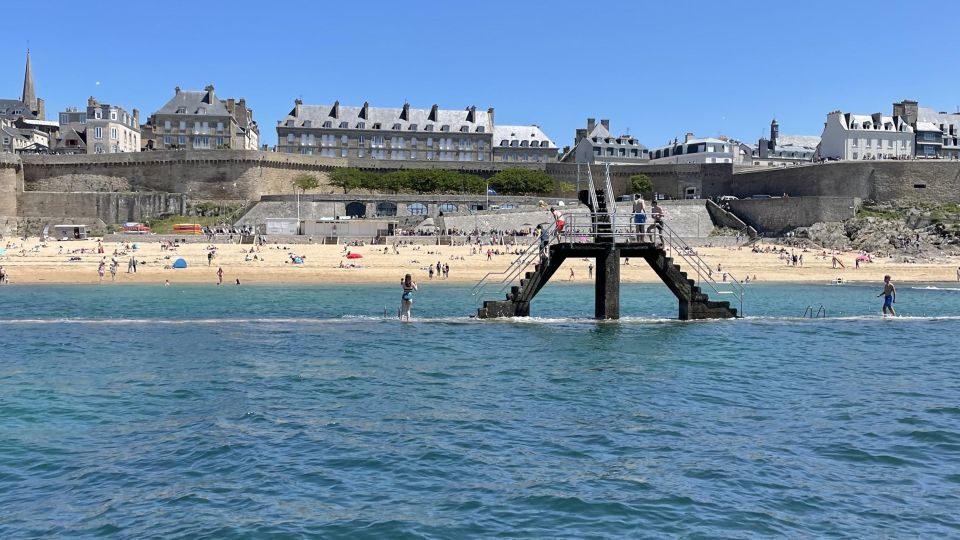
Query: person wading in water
point(406, 300)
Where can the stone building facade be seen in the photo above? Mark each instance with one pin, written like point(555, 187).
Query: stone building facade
point(596, 144)
point(937, 133)
point(100, 129)
point(194, 120)
point(408, 134)
point(848, 136)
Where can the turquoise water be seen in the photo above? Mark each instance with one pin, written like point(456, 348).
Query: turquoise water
point(298, 411)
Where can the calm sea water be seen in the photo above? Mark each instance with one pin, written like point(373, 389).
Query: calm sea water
point(297, 411)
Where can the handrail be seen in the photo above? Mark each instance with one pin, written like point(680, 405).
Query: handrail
point(702, 269)
point(608, 194)
point(592, 188)
point(516, 266)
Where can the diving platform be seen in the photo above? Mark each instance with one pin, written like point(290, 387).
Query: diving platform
point(606, 236)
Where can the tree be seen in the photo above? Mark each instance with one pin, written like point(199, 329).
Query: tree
point(641, 184)
point(303, 182)
point(521, 182)
point(347, 178)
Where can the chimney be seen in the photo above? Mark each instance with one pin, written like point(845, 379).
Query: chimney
point(490, 114)
point(136, 116)
point(591, 123)
point(471, 114)
point(335, 110)
point(433, 113)
point(405, 113)
point(605, 123)
point(231, 106)
point(176, 90)
point(364, 110)
point(91, 102)
point(581, 134)
point(41, 114)
point(688, 137)
point(209, 90)
point(296, 107)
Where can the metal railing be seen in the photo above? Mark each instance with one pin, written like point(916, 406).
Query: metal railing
point(505, 278)
point(810, 314)
point(592, 188)
point(608, 194)
point(704, 272)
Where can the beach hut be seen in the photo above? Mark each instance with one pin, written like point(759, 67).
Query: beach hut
point(180, 263)
point(426, 226)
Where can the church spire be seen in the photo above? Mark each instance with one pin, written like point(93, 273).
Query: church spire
point(29, 95)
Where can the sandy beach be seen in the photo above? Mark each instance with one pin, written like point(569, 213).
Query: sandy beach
point(31, 262)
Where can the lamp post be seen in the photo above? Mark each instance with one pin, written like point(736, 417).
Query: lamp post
point(297, 191)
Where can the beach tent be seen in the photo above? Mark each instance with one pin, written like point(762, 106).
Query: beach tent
point(426, 225)
point(354, 256)
point(180, 263)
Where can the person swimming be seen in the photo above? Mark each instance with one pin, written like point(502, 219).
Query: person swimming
point(406, 300)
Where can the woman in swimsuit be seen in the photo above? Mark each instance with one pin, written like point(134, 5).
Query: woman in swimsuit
point(407, 299)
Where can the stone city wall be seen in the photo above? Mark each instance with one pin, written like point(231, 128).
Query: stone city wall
point(783, 214)
point(905, 181)
point(107, 207)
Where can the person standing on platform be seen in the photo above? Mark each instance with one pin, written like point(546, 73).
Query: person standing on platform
point(639, 215)
point(658, 215)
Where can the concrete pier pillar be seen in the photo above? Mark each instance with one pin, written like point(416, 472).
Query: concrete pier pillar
point(607, 287)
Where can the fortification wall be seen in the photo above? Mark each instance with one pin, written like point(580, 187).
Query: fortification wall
point(671, 180)
point(106, 207)
point(922, 181)
point(10, 180)
point(783, 214)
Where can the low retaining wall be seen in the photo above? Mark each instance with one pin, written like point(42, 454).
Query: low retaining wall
point(783, 214)
point(107, 207)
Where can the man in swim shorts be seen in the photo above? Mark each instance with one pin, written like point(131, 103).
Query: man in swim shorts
point(889, 295)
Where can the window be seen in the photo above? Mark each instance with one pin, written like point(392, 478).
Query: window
point(290, 138)
point(361, 125)
point(201, 142)
point(182, 110)
point(167, 140)
point(98, 148)
point(201, 110)
point(182, 140)
point(481, 129)
point(183, 124)
point(113, 115)
point(64, 119)
point(396, 127)
point(412, 127)
point(344, 125)
point(83, 118)
point(429, 127)
point(417, 209)
point(113, 133)
point(98, 133)
point(219, 142)
point(328, 124)
point(429, 141)
point(445, 127)
point(303, 138)
point(446, 208)
point(219, 127)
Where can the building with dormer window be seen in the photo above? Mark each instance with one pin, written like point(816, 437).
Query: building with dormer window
point(596, 144)
point(201, 121)
point(848, 136)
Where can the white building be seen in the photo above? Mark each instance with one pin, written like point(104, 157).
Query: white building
point(848, 136)
point(695, 150)
point(937, 133)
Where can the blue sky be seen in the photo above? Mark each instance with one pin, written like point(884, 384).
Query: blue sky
point(659, 69)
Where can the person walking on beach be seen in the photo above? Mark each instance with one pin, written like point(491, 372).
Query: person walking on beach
point(113, 270)
point(3, 275)
point(406, 300)
point(220, 276)
point(571, 275)
point(889, 295)
point(590, 271)
point(101, 268)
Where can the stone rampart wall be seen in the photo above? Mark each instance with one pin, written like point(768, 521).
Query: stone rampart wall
point(107, 207)
point(783, 214)
point(924, 181)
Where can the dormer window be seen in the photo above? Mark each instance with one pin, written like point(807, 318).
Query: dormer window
point(504, 142)
point(361, 125)
point(445, 127)
point(202, 110)
point(344, 125)
point(180, 110)
point(481, 129)
point(328, 124)
point(524, 143)
point(307, 123)
point(412, 127)
point(535, 144)
point(429, 127)
point(397, 127)
point(464, 129)
point(376, 126)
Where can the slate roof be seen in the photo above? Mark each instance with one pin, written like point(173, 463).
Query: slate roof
point(8, 105)
point(388, 118)
point(517, 135)
point(193, 102)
